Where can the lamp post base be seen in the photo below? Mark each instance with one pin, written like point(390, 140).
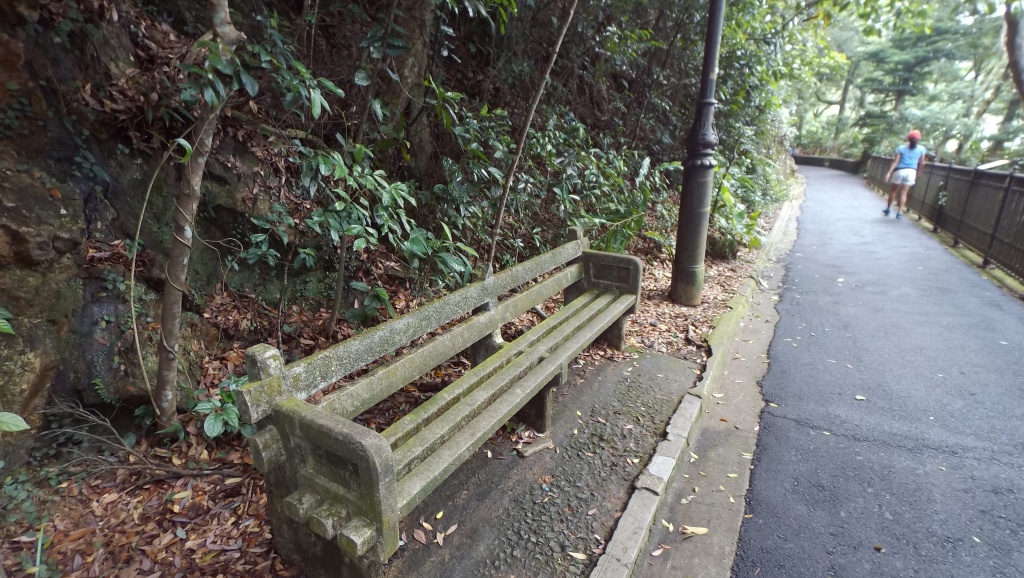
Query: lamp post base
point(687, 285)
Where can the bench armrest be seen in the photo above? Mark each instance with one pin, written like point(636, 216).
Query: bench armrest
point(622, 273)
point(344, 479)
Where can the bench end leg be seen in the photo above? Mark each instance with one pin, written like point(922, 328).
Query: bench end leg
point(537, 412)
point(615, 335)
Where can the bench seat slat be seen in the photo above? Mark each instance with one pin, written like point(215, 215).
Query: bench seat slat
point(366, 391)
point(399, 432)
point(425, 477)
point(442, 415)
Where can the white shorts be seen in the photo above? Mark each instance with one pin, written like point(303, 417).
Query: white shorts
point(904, 177)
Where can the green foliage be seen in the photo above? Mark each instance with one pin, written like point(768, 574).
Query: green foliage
point(86, 166)
point(273, 59)
point(565, 179)
point(732, 225)
point(443, 260)
point(145, 415)
point(102, 392)
point(945, 76)
point(369, 311)
point(12, 422)
point(23, 493)
point(220, 412)
point(488, 9)
point(5, 323)
point(445, 103)
point(41, 568)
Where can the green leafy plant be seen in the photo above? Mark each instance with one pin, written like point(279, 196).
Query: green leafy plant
point(144, 415)
point(732, 226)
point(101, 390)
point(41, 568)
point(12, 422)
point(220, 412)
point(447, 261)
point(5, 323)
point(368, 309)
point(445, 102)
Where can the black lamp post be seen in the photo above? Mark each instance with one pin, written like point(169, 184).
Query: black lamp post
point(698, 174)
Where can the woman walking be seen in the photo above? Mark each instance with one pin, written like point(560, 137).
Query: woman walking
point(903, 171)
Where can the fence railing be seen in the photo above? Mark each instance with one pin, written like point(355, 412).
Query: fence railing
point(981, 209)
point(847, 165)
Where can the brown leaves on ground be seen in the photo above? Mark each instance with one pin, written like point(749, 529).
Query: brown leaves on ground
point(119, 521)
point(663, 326)
point(439, 533)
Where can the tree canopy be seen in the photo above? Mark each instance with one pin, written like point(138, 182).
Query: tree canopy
point(949, 75)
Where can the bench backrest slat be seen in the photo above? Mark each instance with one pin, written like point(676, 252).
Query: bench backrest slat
point(311, 374)
point(364, 392)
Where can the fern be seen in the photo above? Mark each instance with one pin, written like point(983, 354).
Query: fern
point(97, 382)
point(101, 390)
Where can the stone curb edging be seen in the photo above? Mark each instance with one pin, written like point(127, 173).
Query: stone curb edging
point(630, 534)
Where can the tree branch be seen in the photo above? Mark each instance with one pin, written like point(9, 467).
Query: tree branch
point(520, 144)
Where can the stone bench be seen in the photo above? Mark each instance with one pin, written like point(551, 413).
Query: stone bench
point(337, 490)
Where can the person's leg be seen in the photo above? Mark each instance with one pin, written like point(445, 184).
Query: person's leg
point(892, 195)
point(903, 199)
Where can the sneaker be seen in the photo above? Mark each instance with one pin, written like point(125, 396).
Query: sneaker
point(885, 211)
point(899, 215)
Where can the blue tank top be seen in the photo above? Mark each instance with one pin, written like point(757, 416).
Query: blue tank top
point(909, 156)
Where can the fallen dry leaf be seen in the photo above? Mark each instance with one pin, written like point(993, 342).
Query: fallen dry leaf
point(693, 530)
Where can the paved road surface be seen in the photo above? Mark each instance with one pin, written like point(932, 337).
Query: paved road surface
point(930, 466)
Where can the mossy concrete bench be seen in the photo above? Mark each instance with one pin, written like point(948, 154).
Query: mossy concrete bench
point(337, 490)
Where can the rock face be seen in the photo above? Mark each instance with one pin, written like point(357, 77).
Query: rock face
point(67, 186)
point(42, 230)
point(72, 187)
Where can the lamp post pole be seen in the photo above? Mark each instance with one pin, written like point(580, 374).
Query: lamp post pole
point(698, 174)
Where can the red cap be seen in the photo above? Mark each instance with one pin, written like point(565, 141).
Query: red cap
point(914, 134)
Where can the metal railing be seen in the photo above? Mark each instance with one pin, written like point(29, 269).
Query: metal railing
point(847, 165)
point(981, 209)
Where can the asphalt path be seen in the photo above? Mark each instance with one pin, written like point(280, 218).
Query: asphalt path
point(925, 475)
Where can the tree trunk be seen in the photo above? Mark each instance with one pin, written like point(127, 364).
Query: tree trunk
point(186, 202)
point(978, 114)
point(995, 149)
point(841, 117)
point(900, 98)
point(1015, 43)
point(339, 286)
point(413, 70)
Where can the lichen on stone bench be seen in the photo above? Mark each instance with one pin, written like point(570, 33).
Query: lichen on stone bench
point(338, 490)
